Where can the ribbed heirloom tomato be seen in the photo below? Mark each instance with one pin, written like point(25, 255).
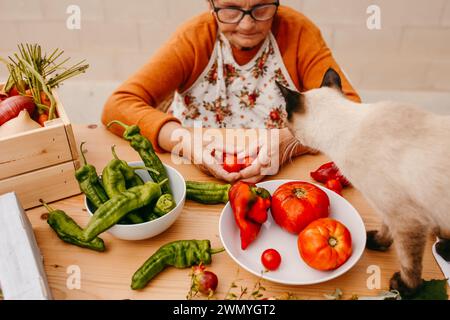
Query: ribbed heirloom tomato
point(325, 244)
point(296, 204)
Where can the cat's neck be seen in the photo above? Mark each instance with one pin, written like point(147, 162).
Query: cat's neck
point(332, 122)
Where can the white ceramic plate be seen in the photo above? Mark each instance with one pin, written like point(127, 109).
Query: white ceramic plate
point(293, 270)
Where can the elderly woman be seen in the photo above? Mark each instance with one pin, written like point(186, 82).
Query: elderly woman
point(223, 66)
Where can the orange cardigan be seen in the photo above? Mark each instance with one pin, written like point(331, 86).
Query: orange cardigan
point(178, 64)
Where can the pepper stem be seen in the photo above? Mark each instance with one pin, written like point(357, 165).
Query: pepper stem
point(217, 250)
point(113, 150)
point(82, 153)
point(162, 182)
point(146, 168)
point(120, 123)
point(49, 209)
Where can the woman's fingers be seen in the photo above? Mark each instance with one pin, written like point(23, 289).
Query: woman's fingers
point(253, 170)
point(216, 169)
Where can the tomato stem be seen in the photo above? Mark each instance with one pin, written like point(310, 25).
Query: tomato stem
point(299, 193)
point(332, 241)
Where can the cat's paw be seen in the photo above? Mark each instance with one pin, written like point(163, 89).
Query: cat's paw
point(374, 243)
point(443, 249)
point(397, 283)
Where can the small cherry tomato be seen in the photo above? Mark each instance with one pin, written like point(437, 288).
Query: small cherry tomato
point(271, 259)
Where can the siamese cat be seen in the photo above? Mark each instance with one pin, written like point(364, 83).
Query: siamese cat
point(397, 155)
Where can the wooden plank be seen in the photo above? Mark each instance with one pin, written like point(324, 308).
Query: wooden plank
point(107, 275)
point(52, 183)
point(68, 127)
point(22, 273)
point(33, 150)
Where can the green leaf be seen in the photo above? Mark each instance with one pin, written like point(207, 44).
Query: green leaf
point(432, 290)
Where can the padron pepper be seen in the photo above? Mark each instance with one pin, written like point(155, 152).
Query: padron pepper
point(179, 254)
point(118, 176)
point(145, 149)
point(249, 204)
point(69, 231)
point(112, 211)
point(164, 205)
point(89, 182)
point(207, 192)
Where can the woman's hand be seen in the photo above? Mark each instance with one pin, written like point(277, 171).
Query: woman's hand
point(274, 148)
point(269, 149)
point(197, 147)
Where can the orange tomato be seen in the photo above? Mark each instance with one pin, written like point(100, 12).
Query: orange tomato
point(325, 244)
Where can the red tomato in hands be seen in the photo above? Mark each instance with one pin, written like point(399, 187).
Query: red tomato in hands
point(296, 204)
point(271, 259)
point(325, 244)
point(232, 164)
point(335, 185)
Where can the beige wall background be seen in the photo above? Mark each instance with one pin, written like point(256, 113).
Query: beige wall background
point(411, 52)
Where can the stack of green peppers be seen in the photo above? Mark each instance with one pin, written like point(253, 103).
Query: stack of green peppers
point(120, 196)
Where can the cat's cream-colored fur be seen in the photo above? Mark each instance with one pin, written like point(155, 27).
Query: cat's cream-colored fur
point(397, 155)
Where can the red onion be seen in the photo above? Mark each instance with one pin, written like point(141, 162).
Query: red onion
point(11, 107)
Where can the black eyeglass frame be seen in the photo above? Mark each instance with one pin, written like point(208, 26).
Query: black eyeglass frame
point(245, 12)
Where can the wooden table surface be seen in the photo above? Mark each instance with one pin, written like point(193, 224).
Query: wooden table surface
point(108, 275)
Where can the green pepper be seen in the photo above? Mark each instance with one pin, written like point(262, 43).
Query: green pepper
point(118, 174)
point(164, 205)
point(145, 149)
point(207, 192)
point(89, 182)
point(179, 254)
point(69, 231)
point(117, 177)
point(109, 213)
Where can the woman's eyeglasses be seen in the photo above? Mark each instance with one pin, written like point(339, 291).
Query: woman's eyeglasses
point(234, 15)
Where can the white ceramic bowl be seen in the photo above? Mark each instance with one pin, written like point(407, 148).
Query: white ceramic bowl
point(152, 228)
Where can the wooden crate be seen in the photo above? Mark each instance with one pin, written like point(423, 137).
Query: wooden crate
point(40, 163)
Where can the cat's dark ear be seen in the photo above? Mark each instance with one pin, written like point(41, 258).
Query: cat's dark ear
point(294, 99)
point(332, 79)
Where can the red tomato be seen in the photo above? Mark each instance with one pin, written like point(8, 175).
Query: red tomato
point(325, 244)
point(335, 185)
point(297, 204)
point(230, 163)
point(271, 259)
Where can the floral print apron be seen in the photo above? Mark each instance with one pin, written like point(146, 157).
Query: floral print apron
point(228, 95)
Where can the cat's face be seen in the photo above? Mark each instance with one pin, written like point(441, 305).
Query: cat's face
point(298, 104)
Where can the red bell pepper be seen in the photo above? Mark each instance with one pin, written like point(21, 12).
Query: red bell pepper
point(329, 171)
point(249, 204)
point(335, 185)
